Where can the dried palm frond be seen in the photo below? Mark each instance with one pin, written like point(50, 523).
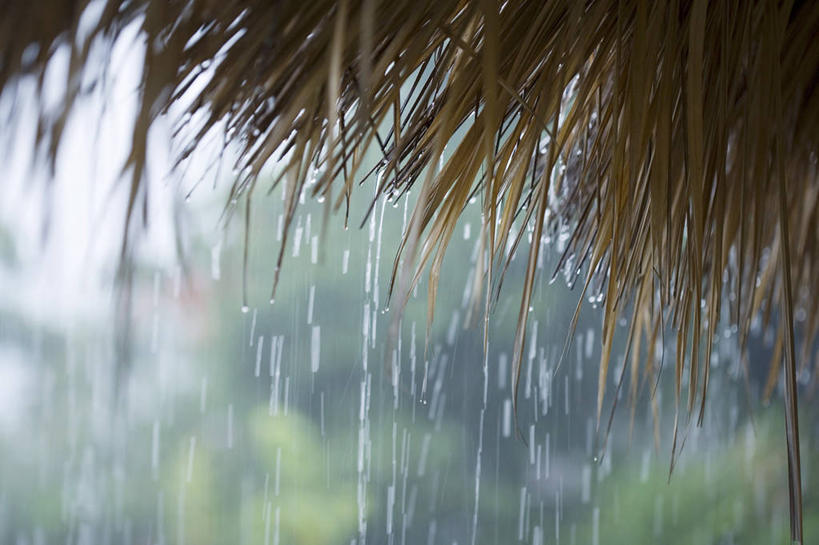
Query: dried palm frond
point(676, 140)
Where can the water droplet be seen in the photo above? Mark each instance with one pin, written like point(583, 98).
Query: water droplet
point(245, 308)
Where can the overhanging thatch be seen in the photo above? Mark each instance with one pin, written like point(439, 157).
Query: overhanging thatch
point(682, 139)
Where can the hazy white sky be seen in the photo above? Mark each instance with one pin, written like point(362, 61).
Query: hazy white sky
point(62, 272)
point(63, 281)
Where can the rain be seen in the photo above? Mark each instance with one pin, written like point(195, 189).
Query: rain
point(292, 424)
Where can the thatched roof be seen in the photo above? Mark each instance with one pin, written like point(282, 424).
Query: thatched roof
point(677, 140)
